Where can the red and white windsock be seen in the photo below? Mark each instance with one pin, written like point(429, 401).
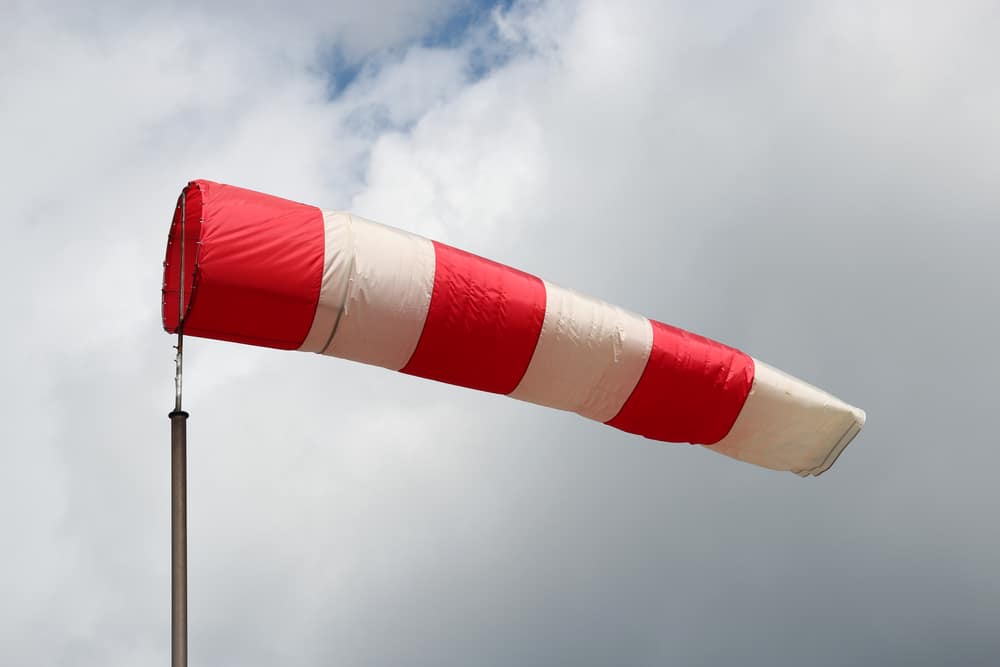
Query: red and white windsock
point(267, 271)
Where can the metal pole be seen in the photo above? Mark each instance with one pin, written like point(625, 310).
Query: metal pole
point(178, 537)
point(178, 487)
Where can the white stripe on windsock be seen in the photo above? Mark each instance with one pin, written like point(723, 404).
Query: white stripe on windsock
point(788, 424)
point(338, 256)
point(589, 357)
point(377, 285)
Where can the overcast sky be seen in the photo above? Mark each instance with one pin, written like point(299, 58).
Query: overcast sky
point(815, 183)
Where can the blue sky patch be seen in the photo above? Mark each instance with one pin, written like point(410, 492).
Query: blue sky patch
point(450, 32)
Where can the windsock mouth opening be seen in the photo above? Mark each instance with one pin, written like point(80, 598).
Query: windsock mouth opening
point(242, 266)
point(180, 266)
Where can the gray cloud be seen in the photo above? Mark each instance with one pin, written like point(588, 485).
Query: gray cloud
point(812, 183)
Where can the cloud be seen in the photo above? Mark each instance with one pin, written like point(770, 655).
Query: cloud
point(810, 182)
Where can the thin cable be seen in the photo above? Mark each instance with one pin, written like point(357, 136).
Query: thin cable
point(179, 359)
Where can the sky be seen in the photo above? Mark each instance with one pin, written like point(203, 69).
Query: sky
point(812, 182)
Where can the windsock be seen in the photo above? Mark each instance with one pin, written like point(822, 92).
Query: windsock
point(267, 271)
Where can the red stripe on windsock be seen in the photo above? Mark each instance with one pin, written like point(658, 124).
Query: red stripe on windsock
point(253, 266)
point(482, 324)
point(691, 390)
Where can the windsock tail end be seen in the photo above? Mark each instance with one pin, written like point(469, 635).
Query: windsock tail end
point(788, 424)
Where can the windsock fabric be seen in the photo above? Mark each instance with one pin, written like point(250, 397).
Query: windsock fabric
point(270, 272)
